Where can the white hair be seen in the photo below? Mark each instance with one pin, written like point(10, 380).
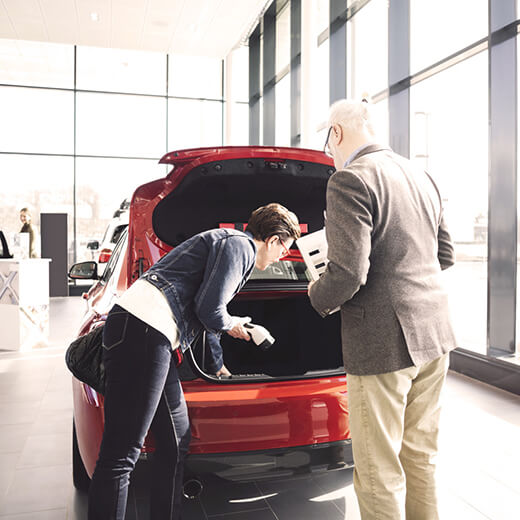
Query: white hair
point(354, 116)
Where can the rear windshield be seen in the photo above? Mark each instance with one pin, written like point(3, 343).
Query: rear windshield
point(285, 270)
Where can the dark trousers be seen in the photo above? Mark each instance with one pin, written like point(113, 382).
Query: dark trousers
point(143, 392)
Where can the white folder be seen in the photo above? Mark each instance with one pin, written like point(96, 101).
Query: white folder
point(314, 248)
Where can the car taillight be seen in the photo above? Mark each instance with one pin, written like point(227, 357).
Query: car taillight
point(104, 256)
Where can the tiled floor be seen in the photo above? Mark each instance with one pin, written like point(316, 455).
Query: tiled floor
point(478, 464)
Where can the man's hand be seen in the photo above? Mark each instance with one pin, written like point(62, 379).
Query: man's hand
point(223, 372)
point(238, 331)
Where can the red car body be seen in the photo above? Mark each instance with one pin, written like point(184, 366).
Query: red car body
point(250, 426)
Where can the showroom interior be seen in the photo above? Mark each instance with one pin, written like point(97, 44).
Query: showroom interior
point(93, 93)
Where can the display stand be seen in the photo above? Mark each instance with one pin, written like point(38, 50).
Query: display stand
point(24, 303)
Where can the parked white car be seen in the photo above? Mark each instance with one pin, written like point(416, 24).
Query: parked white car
point(102, 252)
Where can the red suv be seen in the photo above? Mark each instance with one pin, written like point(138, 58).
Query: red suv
point(284, 410)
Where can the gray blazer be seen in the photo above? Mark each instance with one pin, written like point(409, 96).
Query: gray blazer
point(387, 245)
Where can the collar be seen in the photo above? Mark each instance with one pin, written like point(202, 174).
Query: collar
point(250, 235)
point(355, 153)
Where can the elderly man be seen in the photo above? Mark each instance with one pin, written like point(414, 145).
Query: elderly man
point(388, 243)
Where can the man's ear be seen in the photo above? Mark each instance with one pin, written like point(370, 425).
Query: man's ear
point(337, 130)
point(271, 241)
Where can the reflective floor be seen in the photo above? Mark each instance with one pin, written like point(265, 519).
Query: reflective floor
point(478, 463)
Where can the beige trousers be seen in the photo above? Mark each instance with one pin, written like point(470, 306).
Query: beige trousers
point(394, 423)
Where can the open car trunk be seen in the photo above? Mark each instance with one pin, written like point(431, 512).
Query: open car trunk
point(227, 191)
point(306, 345)
point(214, 191)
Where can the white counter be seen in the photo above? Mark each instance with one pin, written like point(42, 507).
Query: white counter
point(24, 303)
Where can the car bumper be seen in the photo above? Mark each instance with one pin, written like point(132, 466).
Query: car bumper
point(272, 464)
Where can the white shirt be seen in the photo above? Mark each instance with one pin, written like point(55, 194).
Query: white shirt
point(148, 303)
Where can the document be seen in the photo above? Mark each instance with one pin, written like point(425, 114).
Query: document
point(314, 248)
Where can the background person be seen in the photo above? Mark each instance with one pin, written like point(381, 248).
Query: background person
point(160, 315)
point(387, 243)
point(27, 227)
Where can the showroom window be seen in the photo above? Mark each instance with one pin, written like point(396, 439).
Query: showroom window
point(194, 77)
point(449, 114)
point(193, 123)
point(237, 93)
point(321, 13)
point(320, 77)
point(367, 50)
point(283, 111)
point(115, 70)
point(321, 91)
point(240, 73)
point(283, 75)
point(36, 64)
point(83, 126)
point(448, 110)
point(36, 120)
point(102, 184)
point(381, 123)
point(283, 38)
point(44, 184)
point(517, 346)
point(120, 125)
point(441, 28)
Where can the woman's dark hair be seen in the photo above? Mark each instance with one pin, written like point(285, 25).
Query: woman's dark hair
point(273, 219)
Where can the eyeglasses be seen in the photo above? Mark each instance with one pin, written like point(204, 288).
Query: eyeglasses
point(326, 149)
point(285, 251)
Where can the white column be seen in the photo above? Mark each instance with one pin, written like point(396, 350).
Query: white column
point(308, 70)
point(228, 99)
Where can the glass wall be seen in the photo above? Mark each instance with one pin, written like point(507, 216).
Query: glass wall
point(283, 111)
point(449, 137)
point(101, 186)
point(320, 87)
point(120, 125)
point(381, 122)
point(36, 120)
point(115, 70)
point(237, 93)
point(44, 184)
point(283, 75)
point(89, 125)
point(367, 50)
point(517, 346)
point(283, 38)
point(36, 64)
point(193, 123)
point(441, 28)
point(441, 116)
point(321, 91)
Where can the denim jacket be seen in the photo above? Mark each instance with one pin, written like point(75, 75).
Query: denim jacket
point(199, 278)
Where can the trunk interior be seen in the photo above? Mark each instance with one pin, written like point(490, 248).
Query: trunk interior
point(227, 191)
point(305, 343)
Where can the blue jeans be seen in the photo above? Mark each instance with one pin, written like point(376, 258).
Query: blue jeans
point(143, 392)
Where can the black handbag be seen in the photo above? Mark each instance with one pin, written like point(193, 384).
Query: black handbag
point(84, 359)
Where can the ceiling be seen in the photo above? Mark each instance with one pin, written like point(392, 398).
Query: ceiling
point(190, 27)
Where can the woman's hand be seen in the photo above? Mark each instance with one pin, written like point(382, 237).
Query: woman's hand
point(238, 331)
